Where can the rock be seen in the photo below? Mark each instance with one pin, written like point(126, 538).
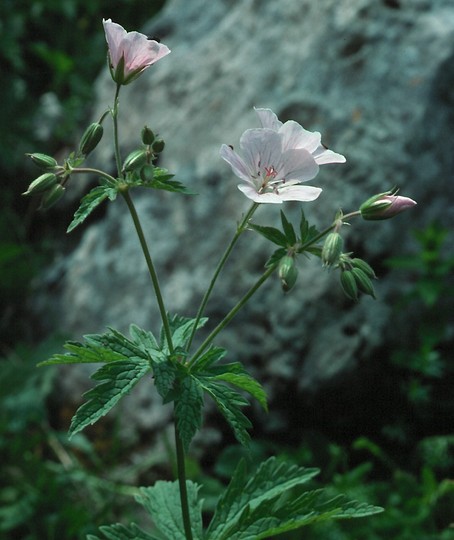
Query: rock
point(375, 78)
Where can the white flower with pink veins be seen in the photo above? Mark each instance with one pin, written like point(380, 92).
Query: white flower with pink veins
point(276, 159)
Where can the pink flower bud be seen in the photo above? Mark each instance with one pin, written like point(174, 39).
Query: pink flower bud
point(385, 205)
point(130, 53)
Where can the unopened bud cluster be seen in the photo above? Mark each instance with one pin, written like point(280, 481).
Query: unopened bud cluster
point(47, 185)
point(142, 158)
point(356, 277)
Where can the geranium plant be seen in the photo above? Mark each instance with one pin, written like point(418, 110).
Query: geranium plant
point(275, 161)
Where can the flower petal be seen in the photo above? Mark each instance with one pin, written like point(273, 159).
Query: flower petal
point(239, 168)
point(299, 193)
point(141, 52)
point(295, 136)
point(252, 194)
point(261, 148)
point(268, 119)
point(299, 165)
point(114, 37)
point(323, 156)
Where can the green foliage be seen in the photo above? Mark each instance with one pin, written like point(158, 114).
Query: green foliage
point(117, 379)
point(288, 240)
point(161, 179)
point(90, 202)
point(424, 355)
point(188, 408)
point(258, 506)
point(126, 361)
point(417, 503)
point(271, 501)
point(162, 501)
point(120, 532)
point(213, 377)
point(45, 491)
point(40, 55)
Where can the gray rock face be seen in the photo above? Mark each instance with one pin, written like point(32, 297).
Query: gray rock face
point(376, 78)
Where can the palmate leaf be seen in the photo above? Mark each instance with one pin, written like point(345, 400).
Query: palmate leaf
point(117, 379)
point(91, 201)
point(120, 532)
point(162, 501)
point(261, 506)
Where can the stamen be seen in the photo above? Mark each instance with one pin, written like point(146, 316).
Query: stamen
point(271, 172)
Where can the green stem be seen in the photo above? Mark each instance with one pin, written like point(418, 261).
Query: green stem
point(93, 171)
point(240, 229)
point(225, 321)
point(165, 321)
point(115, 126)
point(151, 268)
point(182, 485)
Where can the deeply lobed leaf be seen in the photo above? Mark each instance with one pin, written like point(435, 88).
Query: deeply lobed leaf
point(273, 501)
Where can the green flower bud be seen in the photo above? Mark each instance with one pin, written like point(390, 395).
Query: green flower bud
point(332, 248)
point(42, 184)
point(288, 272)
point(135, 160)
point(43, 161)
point(91, 138)
point(147, 172)
point(364, 266)
point(52, 196)
point(147, 136)
point(363, 281)
point(348, 283)
point(158, 146)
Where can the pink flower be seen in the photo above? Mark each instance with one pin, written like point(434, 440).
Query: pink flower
point(295, 136)
point(130, 53)
point(276, 159)
point(385, 205)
